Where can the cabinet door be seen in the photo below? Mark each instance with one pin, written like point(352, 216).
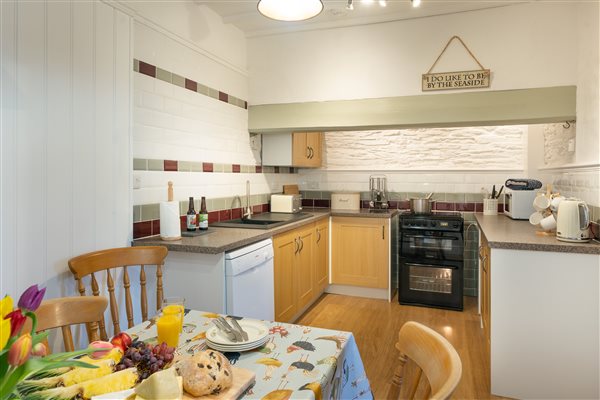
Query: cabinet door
point(305, 273)
point(307, 149)
point(360, 251)
point(315, 148)
point(322, 254)
point(299, 149)
point(484, 270)
point(285, 247)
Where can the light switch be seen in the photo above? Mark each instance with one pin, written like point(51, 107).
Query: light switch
point(137, 182)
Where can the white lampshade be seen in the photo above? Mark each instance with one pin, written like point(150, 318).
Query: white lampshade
point(290, 10)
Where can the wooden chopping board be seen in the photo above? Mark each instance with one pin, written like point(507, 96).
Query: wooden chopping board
point(242, 380)
point(290, 189)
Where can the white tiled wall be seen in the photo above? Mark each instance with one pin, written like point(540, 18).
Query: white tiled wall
point(584, 185)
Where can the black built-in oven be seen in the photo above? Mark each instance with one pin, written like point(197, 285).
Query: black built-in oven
point(431, 260)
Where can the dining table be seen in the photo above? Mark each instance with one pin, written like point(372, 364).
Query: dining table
point(295, 362)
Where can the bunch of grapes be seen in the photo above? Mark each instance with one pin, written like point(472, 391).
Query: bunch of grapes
point(147, 358)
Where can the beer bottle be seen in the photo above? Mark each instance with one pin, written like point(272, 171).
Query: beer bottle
point(203, 215)
point(191, 216)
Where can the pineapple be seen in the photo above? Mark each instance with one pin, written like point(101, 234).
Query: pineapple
point(72, 377)
point(115, 354)
point(114, 382)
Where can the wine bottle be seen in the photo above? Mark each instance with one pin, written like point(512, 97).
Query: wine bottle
point(191, 216)
point(203, 215)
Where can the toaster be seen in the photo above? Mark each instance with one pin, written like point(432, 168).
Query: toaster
point(286, 203)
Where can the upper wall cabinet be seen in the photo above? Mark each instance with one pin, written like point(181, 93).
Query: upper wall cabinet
point(298, 149)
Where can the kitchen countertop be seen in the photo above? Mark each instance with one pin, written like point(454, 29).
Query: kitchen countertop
point(505, 233)
point(219, 240)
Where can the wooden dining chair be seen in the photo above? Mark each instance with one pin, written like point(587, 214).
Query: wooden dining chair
point(429, 353)
point(64, 312)
point(111, 260)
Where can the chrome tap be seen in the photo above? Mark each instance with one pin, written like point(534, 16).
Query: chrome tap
point(248, 213)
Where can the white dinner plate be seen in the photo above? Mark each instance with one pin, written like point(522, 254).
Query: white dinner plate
point(238, 348)
point(255, 329)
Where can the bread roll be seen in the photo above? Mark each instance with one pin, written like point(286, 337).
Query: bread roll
point(206, 372)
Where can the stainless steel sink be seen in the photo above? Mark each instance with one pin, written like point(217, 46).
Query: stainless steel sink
point(262, 221)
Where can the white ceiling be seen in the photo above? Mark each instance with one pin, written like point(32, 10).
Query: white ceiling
point(244, 14)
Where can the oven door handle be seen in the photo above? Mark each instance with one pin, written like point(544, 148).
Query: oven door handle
point(432, 266)
point(431, 237)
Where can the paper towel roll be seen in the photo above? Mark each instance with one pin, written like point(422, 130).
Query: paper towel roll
point(170, 225)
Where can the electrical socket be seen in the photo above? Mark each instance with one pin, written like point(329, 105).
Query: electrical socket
point(137, 182)
point(571, 145)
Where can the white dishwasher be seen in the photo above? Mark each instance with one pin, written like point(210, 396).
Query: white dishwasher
point(249, 281)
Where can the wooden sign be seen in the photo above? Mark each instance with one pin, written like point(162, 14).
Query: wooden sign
point(456, 80)
point(479, 78)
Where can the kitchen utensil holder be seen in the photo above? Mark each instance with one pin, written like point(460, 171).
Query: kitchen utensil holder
point(490, 206)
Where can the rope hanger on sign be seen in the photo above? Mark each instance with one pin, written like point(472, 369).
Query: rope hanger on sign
point(446, 47)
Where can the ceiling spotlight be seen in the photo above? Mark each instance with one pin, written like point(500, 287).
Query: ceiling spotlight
point(290, 10)
point(350, 6)
point(415, 3)
point(382, 3)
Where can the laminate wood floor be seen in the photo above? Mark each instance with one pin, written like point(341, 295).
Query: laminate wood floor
point(376, 323)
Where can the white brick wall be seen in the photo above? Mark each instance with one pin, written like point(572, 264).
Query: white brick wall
point(473, 148)
point(583, 184)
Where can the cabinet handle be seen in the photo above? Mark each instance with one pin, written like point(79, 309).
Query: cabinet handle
point(312, 153)
point(301, 244)
point(483, 263)
point(307, 152)
point(297, 246)
point(480, 251)
point(383, 232)
point(318, 236)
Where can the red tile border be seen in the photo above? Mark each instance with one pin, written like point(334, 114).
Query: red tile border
point(207, 167)
point(156, 227)
point(265, 208)
point(258, 169)
point(321, 203)
point(235, 168)
point(191, 85)
point(142, 229)
point(170, 165)
point(470, 207)
point(183, 223)
point(257, 209)
point(276, 169)
point(147, 69)
point(478, 207)
point(235, 213)
point(224, 215)
point(444, 206)
point(213, 216)
point(404, 205)
point(307, 203)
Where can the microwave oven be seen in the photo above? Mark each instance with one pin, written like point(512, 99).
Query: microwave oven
point(518, 204)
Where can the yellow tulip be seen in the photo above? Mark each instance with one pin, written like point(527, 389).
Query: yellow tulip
point(4, 332)
point(6, 306)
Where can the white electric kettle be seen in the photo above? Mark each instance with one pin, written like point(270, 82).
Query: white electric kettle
point(572, 221)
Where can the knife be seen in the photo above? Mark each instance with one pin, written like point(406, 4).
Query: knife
point(228, 332)
point(239, 328)
point(499, 191)
point(228, 328)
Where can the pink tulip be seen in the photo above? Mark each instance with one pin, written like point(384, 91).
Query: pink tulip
point(99, 344)
point(17, 320)
point(39, 350)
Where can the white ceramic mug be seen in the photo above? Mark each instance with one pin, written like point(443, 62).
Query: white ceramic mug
point(535, 218)
point(555, 202)
point(548, 223)
point(541, 202)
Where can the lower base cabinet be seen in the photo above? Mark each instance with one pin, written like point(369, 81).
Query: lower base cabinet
point(301, 270)
point(360, 251)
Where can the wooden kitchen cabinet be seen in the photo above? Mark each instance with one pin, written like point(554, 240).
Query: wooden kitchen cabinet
point(307, 149)
point(485, 273)
point(322, 254)
point(301, 268)
point(298, 149)
point(360, 251)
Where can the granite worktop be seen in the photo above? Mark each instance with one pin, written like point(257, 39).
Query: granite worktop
point(505, 233)
point(218, 240)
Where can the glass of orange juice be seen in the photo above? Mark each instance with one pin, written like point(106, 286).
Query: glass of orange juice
point(174, 306)
point(167, 327)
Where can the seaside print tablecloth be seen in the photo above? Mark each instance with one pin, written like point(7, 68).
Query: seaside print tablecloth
point(297, 362)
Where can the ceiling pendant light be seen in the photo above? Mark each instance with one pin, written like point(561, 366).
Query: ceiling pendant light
point(290, 10)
